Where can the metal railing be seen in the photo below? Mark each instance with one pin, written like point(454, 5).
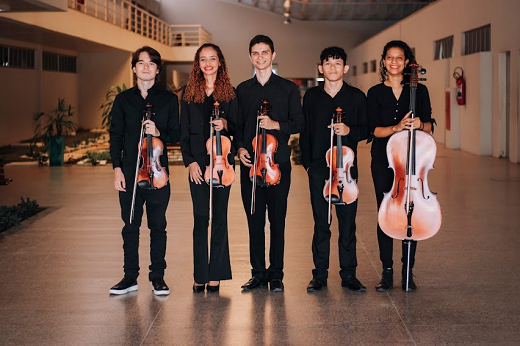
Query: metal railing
point(130, 17)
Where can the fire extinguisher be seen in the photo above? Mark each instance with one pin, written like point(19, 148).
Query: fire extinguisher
point(458, 74)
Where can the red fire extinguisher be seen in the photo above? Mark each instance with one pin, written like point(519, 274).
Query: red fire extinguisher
point(458, 74)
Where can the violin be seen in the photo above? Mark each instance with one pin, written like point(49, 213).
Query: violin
point(410, 211)
point(340, 188)
point(149, 174)
point(219, 173)
point(265, 171)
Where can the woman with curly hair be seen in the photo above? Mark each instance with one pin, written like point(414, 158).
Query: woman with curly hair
point(209, 82)
point(388, 113)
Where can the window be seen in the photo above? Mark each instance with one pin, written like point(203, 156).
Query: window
point(373, 66)
point(58, 62)
point(16, 57)
point(354, 71)
point(444, 48)
point(476, 40)
point(365, 67)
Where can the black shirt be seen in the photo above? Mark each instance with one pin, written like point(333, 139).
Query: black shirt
point(384, 110)
point(195, 128)
point(127, 116)
point(284, 107)
point(318, 109)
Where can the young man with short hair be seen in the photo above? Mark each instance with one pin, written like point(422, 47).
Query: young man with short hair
point(319, 106)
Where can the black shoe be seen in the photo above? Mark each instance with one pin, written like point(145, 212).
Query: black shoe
point(316, 285)
point(353, 284)
point(160, 288)
point(211, 288)
point(411, 284)
point(198, 288)
point(124, 286)
point(253, 283)
point(387, 280)
point(276, 285)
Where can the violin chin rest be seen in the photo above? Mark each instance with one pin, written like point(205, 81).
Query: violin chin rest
point(145, 184)
point(334, 200)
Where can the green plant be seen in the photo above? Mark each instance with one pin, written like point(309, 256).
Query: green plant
point(106, 117)
point(12, 216)
point(57, 122)
point(95, 157)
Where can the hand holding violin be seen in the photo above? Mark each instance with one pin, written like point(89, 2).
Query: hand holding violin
point(340, 129)
point(219, 124)
point(150, 128)
point(268, 123)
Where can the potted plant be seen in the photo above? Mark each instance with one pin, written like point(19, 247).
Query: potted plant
point(109, 102)
point(51, 128)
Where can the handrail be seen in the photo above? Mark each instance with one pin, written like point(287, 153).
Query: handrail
point(130, 17)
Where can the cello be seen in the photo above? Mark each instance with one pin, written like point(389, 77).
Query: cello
point(410, 211)
point(149, 174)
point(219, 173)
point(264, 172)
point(340, 188)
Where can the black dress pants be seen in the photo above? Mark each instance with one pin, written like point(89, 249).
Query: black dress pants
point(274, 200)
point(156, 204)
point(346, 215)
point(383, 178)
point(217, 267)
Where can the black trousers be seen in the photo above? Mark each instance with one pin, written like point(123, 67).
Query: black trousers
point(274, 200)
point(383, 178)
point(346, 215)
point(156, 203)
point(217, 266)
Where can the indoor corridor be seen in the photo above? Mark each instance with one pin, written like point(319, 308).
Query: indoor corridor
point(56, 268)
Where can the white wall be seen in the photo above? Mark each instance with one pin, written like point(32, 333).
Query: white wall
point(98, 72)
point(479, 118)
point(297, 45)
point(25, 92)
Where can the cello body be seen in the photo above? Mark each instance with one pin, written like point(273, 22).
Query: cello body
point(410, 211)
point(425, 216)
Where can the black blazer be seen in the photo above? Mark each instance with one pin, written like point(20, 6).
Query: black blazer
point(194, 138)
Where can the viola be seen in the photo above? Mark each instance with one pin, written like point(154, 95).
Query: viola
point(340, 188)
point(219, 173)
point(410, 211)
point(151, 174)
point(265, 171)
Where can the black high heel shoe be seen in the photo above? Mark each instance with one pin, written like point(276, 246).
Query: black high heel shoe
point(199, 289)
point(210, 288)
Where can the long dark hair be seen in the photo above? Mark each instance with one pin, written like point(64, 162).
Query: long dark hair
point(196, 88)
point(408, 55)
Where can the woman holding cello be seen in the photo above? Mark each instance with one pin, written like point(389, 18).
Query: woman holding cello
point(208, 102)
point(389, 113)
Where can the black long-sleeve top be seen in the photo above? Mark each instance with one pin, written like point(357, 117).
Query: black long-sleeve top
point(127, 116)
point(318, 109)
point(195, 128)
point(385, 110)
point(284, 107)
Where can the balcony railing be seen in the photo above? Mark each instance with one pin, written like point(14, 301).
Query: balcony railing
point(130, 17)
